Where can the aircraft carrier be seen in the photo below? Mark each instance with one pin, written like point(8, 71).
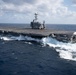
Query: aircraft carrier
point(37, 30)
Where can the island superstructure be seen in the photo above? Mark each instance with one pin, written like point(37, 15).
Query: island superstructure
point(35, 24)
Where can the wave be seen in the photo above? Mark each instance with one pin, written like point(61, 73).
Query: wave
point(65, 50)
point(10, 38)
point(18, 38)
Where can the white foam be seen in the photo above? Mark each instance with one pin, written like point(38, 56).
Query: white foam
point(65, 54)
point(28, 43)
point(19, 38)
point(66, 50)
point(6, 38)
point(74, 33)
point(32, 39)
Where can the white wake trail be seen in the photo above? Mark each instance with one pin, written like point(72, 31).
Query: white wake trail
point(66, 50)
point(18, 38)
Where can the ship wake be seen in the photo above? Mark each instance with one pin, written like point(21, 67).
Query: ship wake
point(65, 50)
point(18, 38)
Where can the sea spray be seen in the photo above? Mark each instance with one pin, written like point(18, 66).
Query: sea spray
point(19, 38)
point(11, 38)
point(66, 50)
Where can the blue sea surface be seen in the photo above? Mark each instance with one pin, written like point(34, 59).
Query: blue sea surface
point(68, 27)
point(32, 57)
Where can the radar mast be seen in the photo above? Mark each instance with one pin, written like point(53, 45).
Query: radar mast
point(36, 16)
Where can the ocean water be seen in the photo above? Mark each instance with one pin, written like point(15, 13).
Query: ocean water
point(67, 27)
point(23, 55)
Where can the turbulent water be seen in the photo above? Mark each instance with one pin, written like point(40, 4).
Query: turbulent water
point(65, 50)
point(23, 55)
